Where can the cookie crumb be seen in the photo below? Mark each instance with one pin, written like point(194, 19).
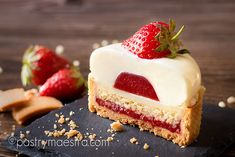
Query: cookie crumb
point(55, 126)
point(146, 146)
point(95, 45)
point(116, 126)
point(109, 139)
point(46, 132)
point(71, 133)
point(61, 120)
point(72, 124)
point(221, 104)
point(27, 132)
point(231, 100)
point(71, 113)
point(43, 142)
point(22, 135)
point(104, 43)
point(133, 140)
point(92, 136)
point(79, 136)
point(110, 130)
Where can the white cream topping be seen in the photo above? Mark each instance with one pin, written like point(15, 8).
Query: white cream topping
point(176, 81)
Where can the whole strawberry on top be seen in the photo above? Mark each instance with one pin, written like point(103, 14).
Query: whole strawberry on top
point(65, 85)
point(40, 63)
point(156, 40)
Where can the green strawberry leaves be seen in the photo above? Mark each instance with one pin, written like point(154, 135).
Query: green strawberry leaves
point(28, 58)
point(169, 39)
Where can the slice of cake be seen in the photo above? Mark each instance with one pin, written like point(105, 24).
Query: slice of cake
point(148, 81)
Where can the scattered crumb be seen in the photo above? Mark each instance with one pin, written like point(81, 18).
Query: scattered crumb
point(50, 134)
point(110, 131)
point(96, 148)
point(221, 104)
point(104, 43)
point(27, 132)
point(55, 126)
point(59, 49)
point(133, 140)
point(71, 133)
point(112, 152)
point(71, 113)
point(95, 45)
point(116, 126)
point(22, 135)
point(46, 132)
point(57, 115)
point(43, 142)
point(76, 63)
point(231, 100)
point(156, 156)
point(92, 136)
point(80, 108)
point(67, 119)
point(72, 124)
point(109, 139)
point(79, 136)
point(146, 146)
point(182, 146)
point(141, 129)
point(61, 120)
point(12, 134)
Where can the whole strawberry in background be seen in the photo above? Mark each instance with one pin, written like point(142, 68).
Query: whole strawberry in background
point(65, 85)
point(40, 63)
point(156, 40)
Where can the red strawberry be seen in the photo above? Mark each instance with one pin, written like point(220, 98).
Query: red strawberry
point(65, 85)
point(40, 63)
point(155, 40)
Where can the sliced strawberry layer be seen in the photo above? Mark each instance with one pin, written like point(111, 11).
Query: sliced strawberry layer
point(154, 122)
point(135, 84)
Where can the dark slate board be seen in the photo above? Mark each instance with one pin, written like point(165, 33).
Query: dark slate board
point(217, 134)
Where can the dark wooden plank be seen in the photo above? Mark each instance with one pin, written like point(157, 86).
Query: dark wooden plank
point(209, 34)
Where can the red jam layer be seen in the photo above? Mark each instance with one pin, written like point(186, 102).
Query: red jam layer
point(135, 84)
point(154, 122)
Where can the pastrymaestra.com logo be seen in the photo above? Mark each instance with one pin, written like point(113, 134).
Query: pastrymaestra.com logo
point(35, 142)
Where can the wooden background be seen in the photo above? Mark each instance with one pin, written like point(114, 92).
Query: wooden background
point(209, 35)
